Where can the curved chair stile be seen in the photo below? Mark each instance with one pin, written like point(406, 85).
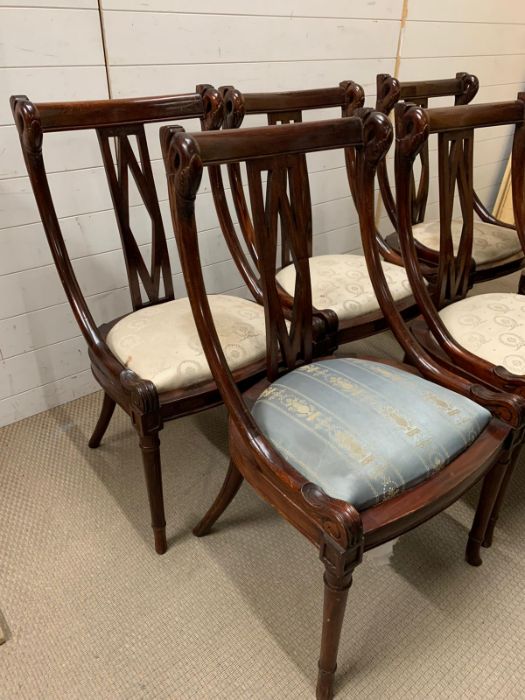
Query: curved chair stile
point(317, 479)
point(147, 362)
point(497, 249)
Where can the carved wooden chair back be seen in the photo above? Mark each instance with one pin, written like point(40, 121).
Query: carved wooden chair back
point(463, 88)
point(345, 307)
point(456, 128)
point(119, 126)
point(117, 123)
point(342, 531)
point(280, 211)
point(279, 108)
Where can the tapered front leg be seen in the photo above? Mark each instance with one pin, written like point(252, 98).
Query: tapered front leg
point(232, 483)
point(489, 493)
point(512, 459)
point(150, 446)
point(335, 597)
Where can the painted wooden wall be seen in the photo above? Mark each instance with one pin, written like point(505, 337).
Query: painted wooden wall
point(73, 49)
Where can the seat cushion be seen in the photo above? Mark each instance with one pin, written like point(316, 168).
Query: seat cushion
point(364, 431)
point(489, 244)
point(491, 326)
point(341, 283)
point(161, 342)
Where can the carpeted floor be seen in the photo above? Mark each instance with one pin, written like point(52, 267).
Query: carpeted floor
point(91, 612)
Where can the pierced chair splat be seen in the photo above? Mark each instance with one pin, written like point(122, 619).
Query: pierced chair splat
point(351, 452)
point(345, 307)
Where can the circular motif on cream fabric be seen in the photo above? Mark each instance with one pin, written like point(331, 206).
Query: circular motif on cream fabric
point(499, 322)
point(331, 289)
point(161, 342)
point(489, 244)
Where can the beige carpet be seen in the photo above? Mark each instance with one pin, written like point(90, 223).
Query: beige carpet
point(91, 612)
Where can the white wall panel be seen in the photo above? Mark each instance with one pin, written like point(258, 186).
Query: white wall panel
point(422, 39)
point(474, 11)
point(148, 38)
point(52, 50)
point(48, 51)
point(45, 37)
point(379, 9)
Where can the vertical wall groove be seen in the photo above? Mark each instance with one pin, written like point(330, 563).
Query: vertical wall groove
point(104, 46)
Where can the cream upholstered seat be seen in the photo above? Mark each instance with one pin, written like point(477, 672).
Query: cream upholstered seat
point(490, 243)
point(364, 431)
point(341, 283)
point(491, 326)
point(161, 343)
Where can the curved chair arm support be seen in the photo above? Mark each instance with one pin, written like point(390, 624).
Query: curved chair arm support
point(485, 215)
point(508, 407)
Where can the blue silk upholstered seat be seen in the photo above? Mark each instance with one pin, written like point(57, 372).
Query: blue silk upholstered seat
point(364, 431)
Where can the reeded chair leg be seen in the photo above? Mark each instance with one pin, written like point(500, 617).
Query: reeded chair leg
point(489, 493)
point(232, 483)
point(150, 446)
point(335, 597)
point(108, 406)
point(489, 534)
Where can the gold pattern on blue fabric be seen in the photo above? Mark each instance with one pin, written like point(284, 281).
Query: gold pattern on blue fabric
point(350, 458)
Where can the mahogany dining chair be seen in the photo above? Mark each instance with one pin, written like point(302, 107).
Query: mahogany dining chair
point(352, 452)
point(150, 361)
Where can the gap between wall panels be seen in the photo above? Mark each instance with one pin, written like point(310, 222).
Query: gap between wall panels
point(104, 47)
point(397, 67)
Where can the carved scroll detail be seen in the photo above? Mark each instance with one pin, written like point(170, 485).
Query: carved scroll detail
point(233, 106)
point(354, 97)
point(388, 92)
point(213, 107)
point(469, 86)
point(340, 521)
point(28, 124)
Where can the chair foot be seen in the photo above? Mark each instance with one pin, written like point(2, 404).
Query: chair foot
point(325, 684)
point(232, 483)
point(108, 406)
point(472, 553)
point(521, 284)
point(150, 447)
point(161, 544)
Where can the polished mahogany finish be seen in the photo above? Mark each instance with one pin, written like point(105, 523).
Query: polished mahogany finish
point(122, 122)
point(274, 158)
point(430, 340)
point(288, 108)
point(463, 88)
